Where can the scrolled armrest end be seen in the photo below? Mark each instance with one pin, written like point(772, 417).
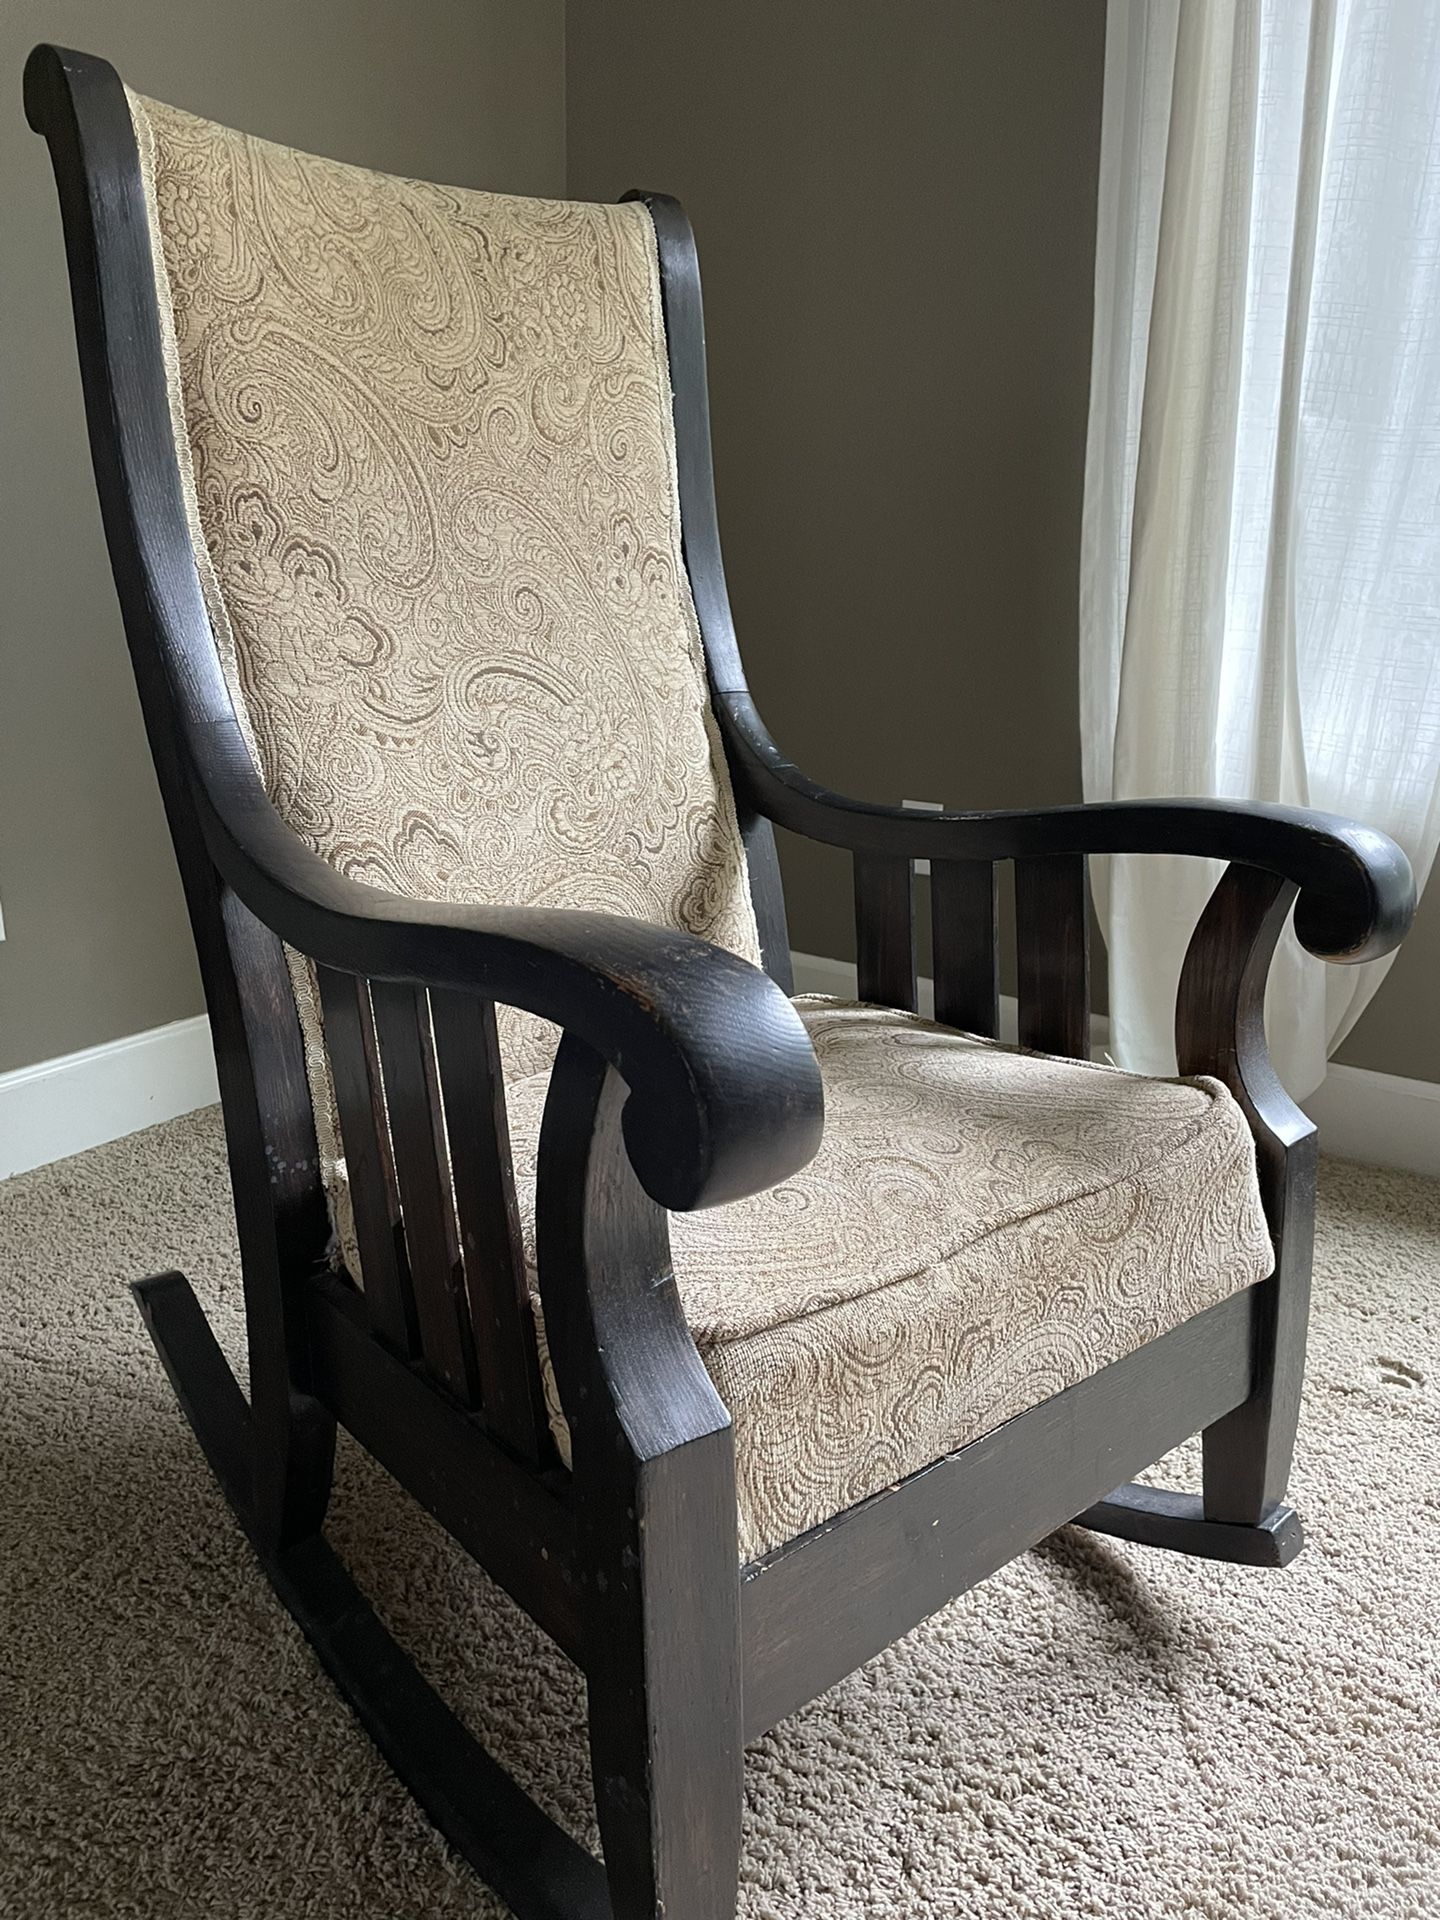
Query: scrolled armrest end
point(1362, 907)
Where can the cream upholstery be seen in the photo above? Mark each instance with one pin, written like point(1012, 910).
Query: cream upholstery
point(431, 463)
point(427, 444)
point(980, 1229)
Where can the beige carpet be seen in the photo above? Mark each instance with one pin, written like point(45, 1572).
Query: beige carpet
point(1099, 1730)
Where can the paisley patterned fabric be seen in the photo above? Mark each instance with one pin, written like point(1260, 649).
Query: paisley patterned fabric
point(981, 1229)
point(427, 437)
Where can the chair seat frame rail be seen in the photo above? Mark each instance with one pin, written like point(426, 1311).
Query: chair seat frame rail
point(684, 1078)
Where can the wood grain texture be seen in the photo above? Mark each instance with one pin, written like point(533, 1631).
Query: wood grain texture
point(279, 1208)
point(422, 1167)
point(817, 1608)
point(654, 1466)
point(967, 959)
point(1160, 1517)
point(727, 1094)
point(1357, 892)
point(354, 1058)
point(885, 967)
point(1052, 954)
point(515, 1523)
point(540, 1872)
point(1220, 1029)
point(503, 1326)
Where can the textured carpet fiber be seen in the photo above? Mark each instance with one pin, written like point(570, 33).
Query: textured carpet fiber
point(1098, 1730)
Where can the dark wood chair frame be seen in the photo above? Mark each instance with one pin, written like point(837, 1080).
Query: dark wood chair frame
point(683, 1079)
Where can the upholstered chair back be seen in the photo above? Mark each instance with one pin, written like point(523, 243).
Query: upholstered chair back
point(427, 440)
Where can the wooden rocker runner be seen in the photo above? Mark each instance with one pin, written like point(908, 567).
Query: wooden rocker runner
point(408, 495)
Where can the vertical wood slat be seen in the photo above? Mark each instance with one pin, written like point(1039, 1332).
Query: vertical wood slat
point(1052, 935)
point(506, 1358)
point(885, 930)
point(402, 1025)
point(966, 964)
point(374, 1192)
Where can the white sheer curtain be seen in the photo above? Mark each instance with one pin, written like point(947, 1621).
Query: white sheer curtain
point(1260, 607)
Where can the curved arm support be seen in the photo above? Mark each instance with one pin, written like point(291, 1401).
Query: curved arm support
point(1356, 890)
point(726, 1093)
point(1220, 1006)
point(655, 1473)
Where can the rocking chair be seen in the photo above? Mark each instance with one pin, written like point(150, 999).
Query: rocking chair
point(408, 496)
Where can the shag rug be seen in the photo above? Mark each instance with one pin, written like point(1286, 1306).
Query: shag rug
point(1099, 1730)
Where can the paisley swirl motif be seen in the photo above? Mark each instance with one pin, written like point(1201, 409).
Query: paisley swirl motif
point(890, 1303)
point(433, 469)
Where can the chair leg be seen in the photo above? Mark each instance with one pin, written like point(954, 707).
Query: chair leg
point(1158, 1517)
point(515, 1848)
point(654, 1478)
point(1248, 1453)
point(1241, 1515)
point(664, 1681)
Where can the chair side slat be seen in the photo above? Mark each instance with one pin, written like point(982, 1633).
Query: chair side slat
point(507, 1363)
point(417, 1134)
point(374, 1192)
point(885, 930)
point(1052, 933)
point(967, 973)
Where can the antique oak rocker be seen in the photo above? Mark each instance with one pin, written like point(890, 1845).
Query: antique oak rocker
point(407, 490)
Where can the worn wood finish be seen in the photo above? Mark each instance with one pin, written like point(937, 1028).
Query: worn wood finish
point(726, 1094)
point(269, 1133)
point(503, 1326)
point(1357, 892)
point(1052, 954)
point(685, 1079)
point(536, 1867)
point(1158, 1517)
point(885, 931)
point(279, 1212)
point(967, 961)
point(834, 1598)
point(422, 1167)
point(820, 1606)
point(700, 535)
point(655, 1477)
point(374, 1193)
point(1220, 1029)
point(517, 1524)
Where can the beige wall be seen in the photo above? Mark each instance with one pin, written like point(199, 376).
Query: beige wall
point(896, 216)
point(97, 941)
point(895, 209)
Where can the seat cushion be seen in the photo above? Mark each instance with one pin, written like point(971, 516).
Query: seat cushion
point(981, 1228)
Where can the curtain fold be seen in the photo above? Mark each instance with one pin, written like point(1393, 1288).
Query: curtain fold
point(1260, 599)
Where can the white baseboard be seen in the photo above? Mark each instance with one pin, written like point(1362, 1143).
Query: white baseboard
point(59, 1107)
point(1379, 1118)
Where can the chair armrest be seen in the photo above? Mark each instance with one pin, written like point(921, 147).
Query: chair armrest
point(1357, 892)
point(725, 1091)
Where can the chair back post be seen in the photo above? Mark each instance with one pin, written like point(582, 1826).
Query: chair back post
point(700, 535)
point(78, 104)
point(413, 1187)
